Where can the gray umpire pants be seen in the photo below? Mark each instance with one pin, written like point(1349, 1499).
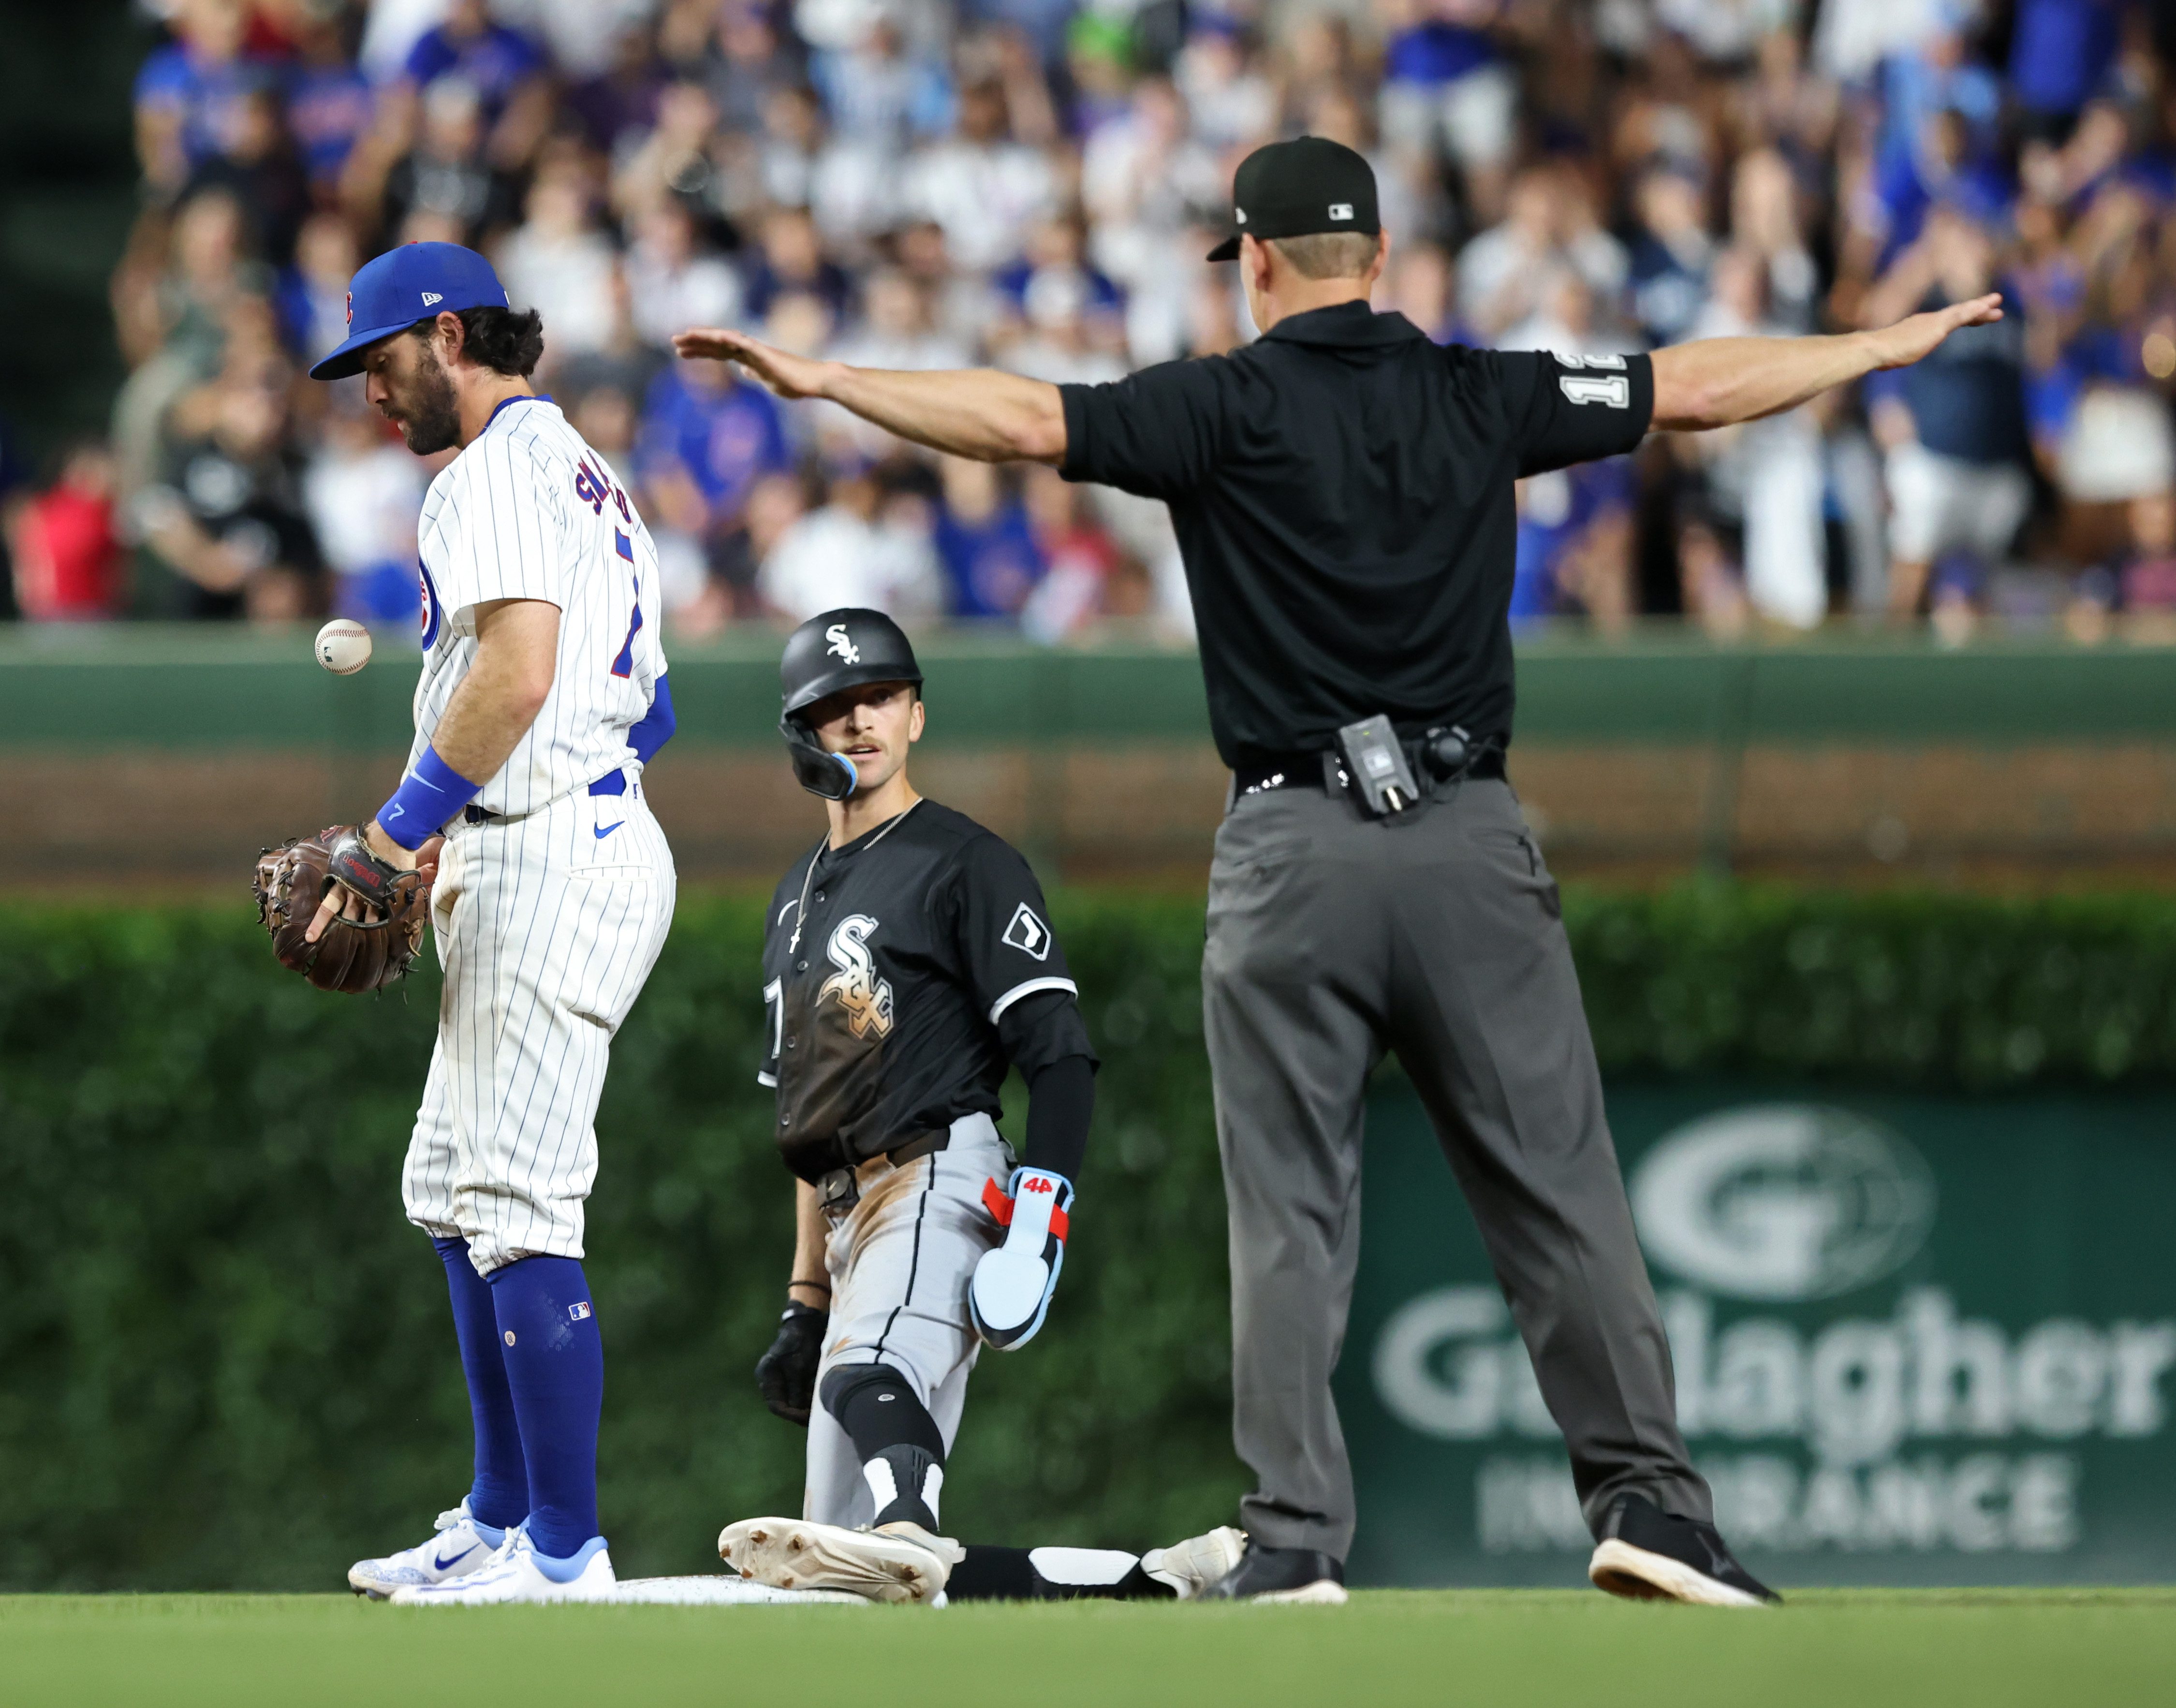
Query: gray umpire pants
point(1332, 938)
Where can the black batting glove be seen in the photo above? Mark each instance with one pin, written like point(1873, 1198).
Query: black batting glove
point(786, 1375)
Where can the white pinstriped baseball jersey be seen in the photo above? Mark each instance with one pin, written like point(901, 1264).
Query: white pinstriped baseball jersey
point(548, 918)
point(529, 511)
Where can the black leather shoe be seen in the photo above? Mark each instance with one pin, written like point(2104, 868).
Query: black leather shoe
point(1281, 1574)
point(1647, 1555)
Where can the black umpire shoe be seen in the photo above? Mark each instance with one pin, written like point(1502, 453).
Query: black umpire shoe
point(1281, 1574)
point(1647, 1555)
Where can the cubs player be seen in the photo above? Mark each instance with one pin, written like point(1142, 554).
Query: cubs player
point(909, 959)
point(542, 696)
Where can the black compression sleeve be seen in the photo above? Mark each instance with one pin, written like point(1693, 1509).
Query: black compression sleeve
point(1061, 1098)
point(1010, 1574)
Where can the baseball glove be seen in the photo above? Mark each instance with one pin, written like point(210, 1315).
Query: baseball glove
point(786, 1375)
point(353, 954)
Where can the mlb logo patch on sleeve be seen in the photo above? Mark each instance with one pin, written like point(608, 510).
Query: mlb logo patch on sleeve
point(576, 1312)
point(1028, 934)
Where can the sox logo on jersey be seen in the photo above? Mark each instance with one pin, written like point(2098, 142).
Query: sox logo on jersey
point(865, 997)
point(1027, 934)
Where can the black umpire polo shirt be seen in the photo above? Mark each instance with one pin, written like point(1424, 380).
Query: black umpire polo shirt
point(1342, 493)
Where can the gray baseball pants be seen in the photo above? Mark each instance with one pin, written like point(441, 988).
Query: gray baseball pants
point(1332, 938)
point(899, 1261)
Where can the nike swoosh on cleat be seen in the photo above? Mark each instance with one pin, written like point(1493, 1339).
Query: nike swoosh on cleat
point(602, 831)
point(439, 1565)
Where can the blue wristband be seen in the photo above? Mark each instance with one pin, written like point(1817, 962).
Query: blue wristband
point(427, 797)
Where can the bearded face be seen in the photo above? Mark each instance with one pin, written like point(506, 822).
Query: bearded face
point(409, 383)
point(429, 419)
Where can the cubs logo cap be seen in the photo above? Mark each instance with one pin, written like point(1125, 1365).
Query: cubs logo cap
point(405, 286)
point(1298, 188)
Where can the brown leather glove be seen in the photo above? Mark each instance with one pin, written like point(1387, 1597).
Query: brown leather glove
point(353, 954)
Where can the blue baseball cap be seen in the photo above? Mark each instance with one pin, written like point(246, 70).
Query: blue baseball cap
point(405, 286)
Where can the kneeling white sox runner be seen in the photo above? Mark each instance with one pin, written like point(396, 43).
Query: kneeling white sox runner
point(910, 959)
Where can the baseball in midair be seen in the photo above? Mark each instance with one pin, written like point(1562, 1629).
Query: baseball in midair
point(343, 646)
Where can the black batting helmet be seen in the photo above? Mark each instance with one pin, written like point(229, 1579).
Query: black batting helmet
point(834, 650)
point(843, 649)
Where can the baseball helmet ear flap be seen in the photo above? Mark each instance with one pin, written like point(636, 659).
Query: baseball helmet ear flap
point(830, 775)
point(831, 652)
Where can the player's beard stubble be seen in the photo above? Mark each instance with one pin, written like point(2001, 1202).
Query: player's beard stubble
point(430, 415)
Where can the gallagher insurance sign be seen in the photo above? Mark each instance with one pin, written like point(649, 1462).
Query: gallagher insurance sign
point(1917, 1339)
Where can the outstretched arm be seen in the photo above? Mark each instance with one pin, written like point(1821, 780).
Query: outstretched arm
point(1717, 381)
point(979, 412)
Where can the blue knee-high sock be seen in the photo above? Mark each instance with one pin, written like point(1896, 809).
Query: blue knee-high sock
point(499, 1498)
point(555, 1365)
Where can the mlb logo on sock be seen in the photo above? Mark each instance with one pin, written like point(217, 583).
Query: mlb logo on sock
point(576, 1312)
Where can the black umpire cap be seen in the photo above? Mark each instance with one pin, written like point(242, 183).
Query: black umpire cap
point(833, 650)
point(1298, 188)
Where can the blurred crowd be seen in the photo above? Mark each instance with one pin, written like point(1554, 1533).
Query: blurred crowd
point(1033, 184)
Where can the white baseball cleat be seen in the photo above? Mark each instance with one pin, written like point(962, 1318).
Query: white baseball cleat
point(520, 1573)
point(461, 1547)
point(1189, 1566)
point(901, 1562)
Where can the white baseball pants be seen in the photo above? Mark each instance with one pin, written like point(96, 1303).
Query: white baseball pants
point(546, 926)
point(899, 1262)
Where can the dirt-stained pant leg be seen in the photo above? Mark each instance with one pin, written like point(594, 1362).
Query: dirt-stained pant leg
point(1329, 937)
point(900, 1263)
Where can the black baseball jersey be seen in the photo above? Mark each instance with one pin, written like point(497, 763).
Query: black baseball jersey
point(902, 973)
point(1342, 491)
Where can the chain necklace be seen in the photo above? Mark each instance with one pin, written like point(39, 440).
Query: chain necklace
point(801, 907)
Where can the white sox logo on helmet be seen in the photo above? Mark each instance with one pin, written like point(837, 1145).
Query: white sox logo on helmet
point(865, 997)
point(842, 644)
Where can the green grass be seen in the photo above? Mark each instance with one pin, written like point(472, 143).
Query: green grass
point(1839, 1649)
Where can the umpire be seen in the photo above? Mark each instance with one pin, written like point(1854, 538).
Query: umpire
point(1342, 493)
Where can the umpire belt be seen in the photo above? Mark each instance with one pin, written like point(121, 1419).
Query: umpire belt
point(613, 782)
point(1321, 768)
